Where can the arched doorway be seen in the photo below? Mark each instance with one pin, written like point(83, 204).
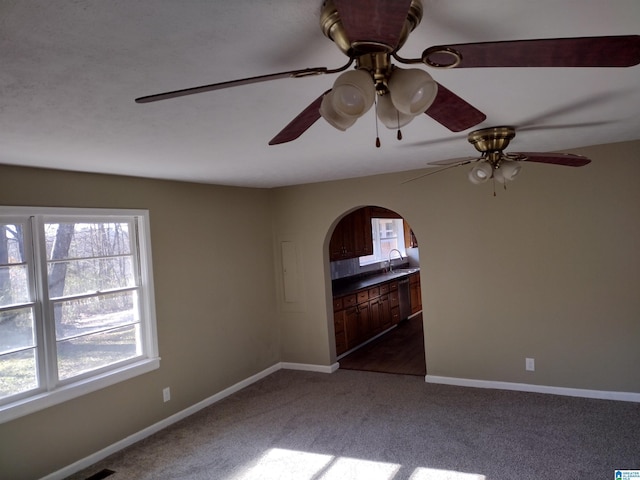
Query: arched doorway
point(375, 278)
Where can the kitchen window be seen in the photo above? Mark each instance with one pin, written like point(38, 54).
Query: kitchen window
point(388, 234)
point(76, 304)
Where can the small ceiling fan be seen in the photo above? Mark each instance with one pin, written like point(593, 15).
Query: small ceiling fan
point(494, 163)
point(370, 33)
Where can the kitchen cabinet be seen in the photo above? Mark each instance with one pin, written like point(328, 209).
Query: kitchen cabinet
point(352, 236)
point(414, 293)
point(364, 314)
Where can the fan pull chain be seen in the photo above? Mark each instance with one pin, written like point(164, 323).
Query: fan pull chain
point(377, 133)
point(399, 134)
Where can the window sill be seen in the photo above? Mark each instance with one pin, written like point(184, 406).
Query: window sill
point(40, 401)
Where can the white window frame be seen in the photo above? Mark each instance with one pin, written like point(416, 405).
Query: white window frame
point(51, 393)
point(376, 256)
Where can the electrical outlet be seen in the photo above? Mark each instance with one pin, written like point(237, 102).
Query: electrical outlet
point(166, 394)
point(529, 364)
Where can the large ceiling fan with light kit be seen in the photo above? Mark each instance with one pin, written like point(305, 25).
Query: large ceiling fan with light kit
point(371, 32)
point(494, 163)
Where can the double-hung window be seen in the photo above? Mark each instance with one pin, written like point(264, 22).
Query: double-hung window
point(387, 235)
point(76, 303)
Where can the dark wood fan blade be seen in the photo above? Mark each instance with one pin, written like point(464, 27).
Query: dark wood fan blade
point(379, 21)
point(232, 83)
point(566, 159)
point(455, 161)
point(614, 51)
point(301, 123)
point(453, 112)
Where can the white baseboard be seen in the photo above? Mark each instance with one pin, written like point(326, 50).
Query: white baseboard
point(310, 368)
point(156, 427)
point(526, 387)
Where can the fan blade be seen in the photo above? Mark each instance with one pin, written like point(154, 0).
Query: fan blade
point(566, 159)
point(378, 21)
point(301, 123)
point(615, 51)
point(453, 112)
point(233, 83)
point(458, 163)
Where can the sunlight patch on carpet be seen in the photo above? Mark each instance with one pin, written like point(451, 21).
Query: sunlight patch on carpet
point(432, 474)
point(283, 464)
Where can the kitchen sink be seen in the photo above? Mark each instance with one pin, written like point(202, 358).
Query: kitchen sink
point(406, 271)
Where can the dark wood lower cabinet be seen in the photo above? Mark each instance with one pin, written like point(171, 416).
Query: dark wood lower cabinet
point(364, 314)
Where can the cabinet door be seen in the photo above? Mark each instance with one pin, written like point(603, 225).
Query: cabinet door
point(385, 306)
point(350, 317)
point(340, 332)
point(339, 243)
point(363, 322)
point(415, 294)
point(376, 317)
point(362, 233)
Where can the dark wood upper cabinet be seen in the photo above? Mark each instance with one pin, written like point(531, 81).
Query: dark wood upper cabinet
point(352, 236)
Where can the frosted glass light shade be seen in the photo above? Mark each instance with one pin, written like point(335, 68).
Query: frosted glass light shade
point(389, 115)
point(509, 169)
point(480, 173)
point(412, 90)
point(334, 118)
point(353, 93)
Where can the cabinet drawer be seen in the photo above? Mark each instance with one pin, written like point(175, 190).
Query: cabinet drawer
point(349, 301)
point(394, 299)
point(362, 296)
point(393, 286)
point(384, 288)
point(395, 315)
point(337, 304)
point(374, 292)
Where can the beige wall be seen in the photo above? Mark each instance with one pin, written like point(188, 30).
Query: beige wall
point(548, 269)
point(215, 302)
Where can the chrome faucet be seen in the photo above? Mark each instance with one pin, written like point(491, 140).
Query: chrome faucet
point(390, 252)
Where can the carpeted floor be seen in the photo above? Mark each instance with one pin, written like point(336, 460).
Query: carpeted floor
point(375, 426)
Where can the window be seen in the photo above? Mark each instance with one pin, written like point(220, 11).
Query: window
point(388, 234)
point(76, 304)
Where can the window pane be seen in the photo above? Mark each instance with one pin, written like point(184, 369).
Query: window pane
point(81, 316)
point(11, 244)
point(14, 286)
point(75, 277)
point(90, 352)
point(16, 329)
point(86, 240)
point(18, 372)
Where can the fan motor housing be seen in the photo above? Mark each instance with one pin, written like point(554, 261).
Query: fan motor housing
point(494, 139)
point(333, 29)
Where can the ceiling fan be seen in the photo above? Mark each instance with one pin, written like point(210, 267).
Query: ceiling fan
point(494, 163)
point(370, 33)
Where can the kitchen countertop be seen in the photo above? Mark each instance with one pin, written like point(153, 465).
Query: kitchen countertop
point(344, 286)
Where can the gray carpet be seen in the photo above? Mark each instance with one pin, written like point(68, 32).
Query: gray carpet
point(350, 424)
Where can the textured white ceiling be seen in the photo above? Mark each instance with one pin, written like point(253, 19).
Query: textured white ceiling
point(72, 68)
